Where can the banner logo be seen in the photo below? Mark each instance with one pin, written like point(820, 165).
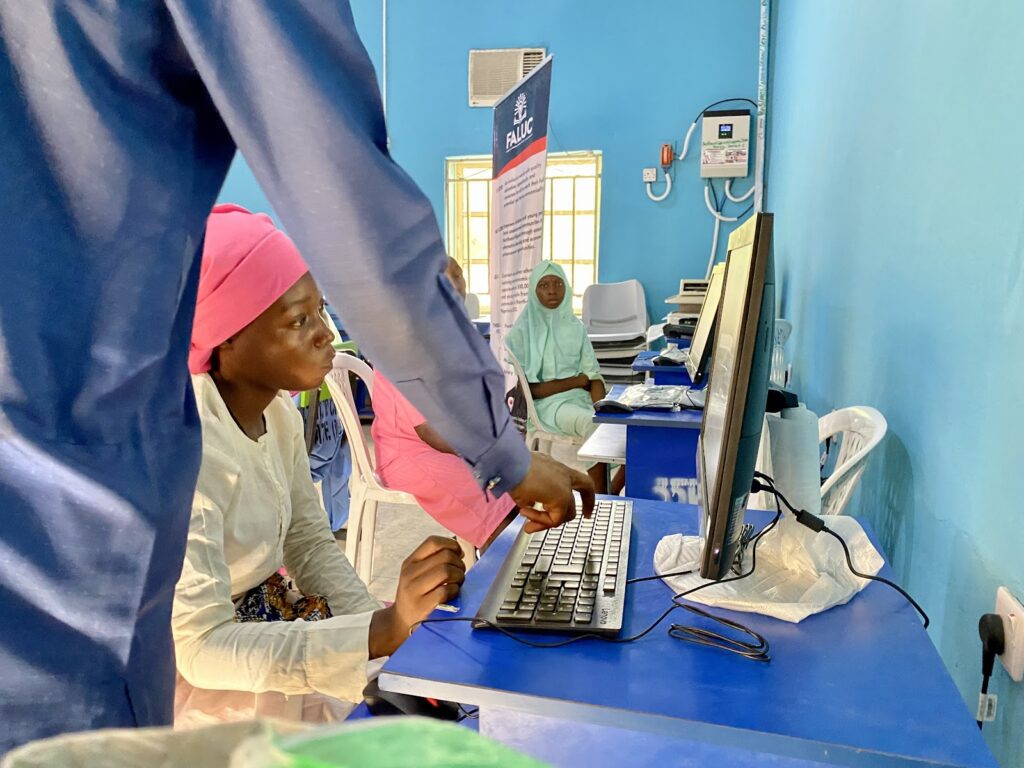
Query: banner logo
point(522, 125)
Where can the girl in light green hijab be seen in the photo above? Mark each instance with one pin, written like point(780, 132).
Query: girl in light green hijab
point(551, 345)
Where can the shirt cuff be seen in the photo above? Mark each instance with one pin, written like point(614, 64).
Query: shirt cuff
point(504, 465)
point(337, 657)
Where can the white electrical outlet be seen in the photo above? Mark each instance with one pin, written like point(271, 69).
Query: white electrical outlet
point(650, 174)
point(1012, 612)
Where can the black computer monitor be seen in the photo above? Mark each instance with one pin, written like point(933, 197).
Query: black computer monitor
point(700, 348)
point(736, 394)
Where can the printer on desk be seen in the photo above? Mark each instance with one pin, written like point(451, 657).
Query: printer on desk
point(689, 299)
point(679, 323)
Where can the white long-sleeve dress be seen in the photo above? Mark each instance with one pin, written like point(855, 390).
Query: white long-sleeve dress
point(256, 509)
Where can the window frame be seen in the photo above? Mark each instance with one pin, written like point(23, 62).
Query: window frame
point(461, 209)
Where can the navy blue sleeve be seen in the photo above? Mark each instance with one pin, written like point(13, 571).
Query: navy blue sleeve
point(296, 89)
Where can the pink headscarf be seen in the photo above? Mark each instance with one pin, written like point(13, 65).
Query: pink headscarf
point(248, 264)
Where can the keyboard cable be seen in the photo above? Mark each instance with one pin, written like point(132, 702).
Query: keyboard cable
point(756, 650)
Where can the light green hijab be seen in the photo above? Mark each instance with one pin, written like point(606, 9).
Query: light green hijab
point(551, 343)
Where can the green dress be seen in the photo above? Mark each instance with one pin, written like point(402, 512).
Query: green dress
point(553, 344)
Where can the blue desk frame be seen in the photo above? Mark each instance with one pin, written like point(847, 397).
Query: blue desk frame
point(656, 440)
point(859, 685)
point(662, 374)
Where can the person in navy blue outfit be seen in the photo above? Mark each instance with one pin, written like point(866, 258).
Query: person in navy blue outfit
point(118, 121)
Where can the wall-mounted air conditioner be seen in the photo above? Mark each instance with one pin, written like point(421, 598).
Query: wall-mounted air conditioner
point(493, 73)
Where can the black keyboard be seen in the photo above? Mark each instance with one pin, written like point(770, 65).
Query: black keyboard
point(567, 579)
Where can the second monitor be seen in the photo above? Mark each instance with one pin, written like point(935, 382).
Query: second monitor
point(698, 354)
point(736, 393)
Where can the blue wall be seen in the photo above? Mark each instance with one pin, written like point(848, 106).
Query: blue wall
point(896, 178)
point(623, 83)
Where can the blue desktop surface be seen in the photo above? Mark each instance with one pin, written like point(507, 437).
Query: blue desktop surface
point(686, 419)
point(859, 685)
point(644, 363)
point(662, 374)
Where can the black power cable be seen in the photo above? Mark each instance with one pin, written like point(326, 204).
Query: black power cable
point(757, 651)
point(993, 643)
point(818, 525)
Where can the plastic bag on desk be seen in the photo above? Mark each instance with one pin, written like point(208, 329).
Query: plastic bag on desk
point(388, 742)
point(668, 397)
point(801, 573)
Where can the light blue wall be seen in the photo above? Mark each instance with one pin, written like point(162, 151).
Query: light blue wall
point(898, 185)
point(626, 79)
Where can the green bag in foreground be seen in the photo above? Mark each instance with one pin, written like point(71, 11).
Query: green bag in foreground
point(391, 742)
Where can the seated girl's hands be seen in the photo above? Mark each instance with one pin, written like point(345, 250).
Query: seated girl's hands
point(431, 575)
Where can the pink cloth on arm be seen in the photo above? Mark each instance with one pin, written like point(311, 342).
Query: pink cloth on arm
point(248, 264)
point(441, 482)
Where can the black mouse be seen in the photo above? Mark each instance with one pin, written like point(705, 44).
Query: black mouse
point(612, 406)
point(383, 703)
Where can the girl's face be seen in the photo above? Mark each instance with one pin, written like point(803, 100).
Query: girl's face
point(551, 291)
point(287, 347)
point(456, 277)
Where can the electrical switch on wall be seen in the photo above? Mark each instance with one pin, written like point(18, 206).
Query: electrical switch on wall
point(1011, 612)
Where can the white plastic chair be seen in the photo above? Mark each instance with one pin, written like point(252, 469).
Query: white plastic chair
point(860, 428)
point(537, 437)
point(615, 312)
point(365, 486)
point(655, 332)
point(473, 306)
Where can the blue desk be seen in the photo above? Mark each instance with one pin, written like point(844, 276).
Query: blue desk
point(655, 441)
point(859, 685)
point(662, 374)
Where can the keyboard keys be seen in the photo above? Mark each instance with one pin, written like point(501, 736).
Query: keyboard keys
point(561, 617)
point(568, 569)
point(515, 616)
point(564, 574)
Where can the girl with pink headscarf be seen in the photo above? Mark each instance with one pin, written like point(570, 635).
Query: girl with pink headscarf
point(247, 640)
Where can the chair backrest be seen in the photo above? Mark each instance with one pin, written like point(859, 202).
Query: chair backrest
point(340, 386)
point(860, 428)
point(472, 306)
point(531, 411)
point(615, 308)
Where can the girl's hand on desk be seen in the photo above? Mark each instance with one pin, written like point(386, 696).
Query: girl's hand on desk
point(431, 575)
